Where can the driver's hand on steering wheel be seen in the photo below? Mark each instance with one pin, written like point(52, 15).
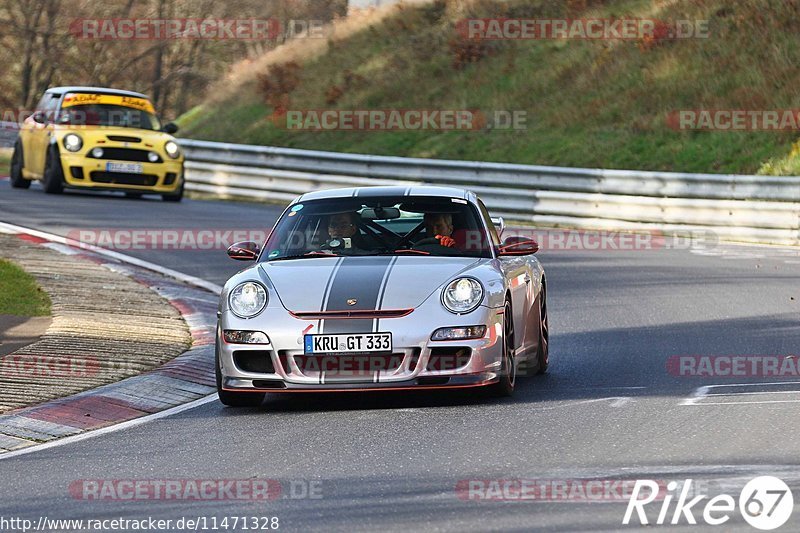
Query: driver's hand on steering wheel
point(447, 242)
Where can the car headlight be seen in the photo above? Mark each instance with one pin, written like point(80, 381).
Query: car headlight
point(172, 149)
point(153, 157)
point(462, 295)
point(247, 299)
point(73, 142)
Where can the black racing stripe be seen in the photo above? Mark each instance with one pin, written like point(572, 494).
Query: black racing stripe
point(327, 290)
point(383, 288)
point(359, 278)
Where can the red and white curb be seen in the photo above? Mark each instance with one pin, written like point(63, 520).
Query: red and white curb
point(181, 384)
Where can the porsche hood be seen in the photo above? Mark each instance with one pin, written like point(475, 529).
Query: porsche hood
point(361, 283)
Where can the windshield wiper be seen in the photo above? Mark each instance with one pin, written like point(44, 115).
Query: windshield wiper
point(306, 255)
point(402, 251)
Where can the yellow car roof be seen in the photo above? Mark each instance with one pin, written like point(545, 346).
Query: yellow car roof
point(98, 90)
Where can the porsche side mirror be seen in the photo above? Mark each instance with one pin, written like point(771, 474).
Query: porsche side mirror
point(243, 251)
point(170, 128)
point(516, 245)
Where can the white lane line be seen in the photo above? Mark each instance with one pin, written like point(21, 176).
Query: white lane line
point(616, 401)
point(697, 395)
point(754, 393)
point(603, 388)
point(747, 403)
point(779, 247)
point(619, 402)
point(702, 393)
point(110, 429)
point(180, 276)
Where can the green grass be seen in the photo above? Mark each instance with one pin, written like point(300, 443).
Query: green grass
point(5, 161)
point(19, 293)
point(589, 103)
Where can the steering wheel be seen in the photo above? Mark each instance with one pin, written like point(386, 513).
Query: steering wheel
point(427, 241)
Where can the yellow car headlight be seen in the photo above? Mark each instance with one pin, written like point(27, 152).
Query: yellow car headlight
point(172, 149)
point(73, 142)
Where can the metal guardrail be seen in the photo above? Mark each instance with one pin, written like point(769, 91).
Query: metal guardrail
point(762, 209)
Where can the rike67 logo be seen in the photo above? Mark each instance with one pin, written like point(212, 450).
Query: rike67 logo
point(765, 503)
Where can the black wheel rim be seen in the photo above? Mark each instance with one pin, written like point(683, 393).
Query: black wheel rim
point(544, 336)
point(47, 170)
point(508, 334)
point(15, 165)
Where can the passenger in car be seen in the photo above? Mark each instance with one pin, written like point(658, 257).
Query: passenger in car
point(441, 227)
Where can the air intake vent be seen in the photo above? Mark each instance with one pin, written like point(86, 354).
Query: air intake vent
point(360, 314)
point(124, 139)
point(268, 384)
point(448, 358)
point(259, 361)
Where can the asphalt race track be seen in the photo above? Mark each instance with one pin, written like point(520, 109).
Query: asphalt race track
point(609, 409)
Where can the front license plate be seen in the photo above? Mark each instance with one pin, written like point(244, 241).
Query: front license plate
point(128, 168)
point(348, 343)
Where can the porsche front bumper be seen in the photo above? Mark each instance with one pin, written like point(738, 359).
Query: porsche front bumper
point(416, 362)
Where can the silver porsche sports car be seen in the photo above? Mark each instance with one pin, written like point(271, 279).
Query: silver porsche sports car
point(381, 288)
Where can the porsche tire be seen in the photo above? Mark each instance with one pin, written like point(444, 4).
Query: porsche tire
point(508, 371)
point(543, 352)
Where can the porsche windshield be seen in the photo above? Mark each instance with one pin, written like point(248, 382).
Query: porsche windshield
point(379, 226)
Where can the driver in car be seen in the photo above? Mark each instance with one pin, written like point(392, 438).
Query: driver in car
point(343, 232)
point(342, 225)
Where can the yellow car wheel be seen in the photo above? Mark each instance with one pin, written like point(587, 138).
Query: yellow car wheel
point(17, 180)
point(177, 197)
point(53, 181)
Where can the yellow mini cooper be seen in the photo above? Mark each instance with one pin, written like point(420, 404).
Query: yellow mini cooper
point(98, 139)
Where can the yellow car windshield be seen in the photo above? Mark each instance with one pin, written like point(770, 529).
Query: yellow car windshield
point(108, 115)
